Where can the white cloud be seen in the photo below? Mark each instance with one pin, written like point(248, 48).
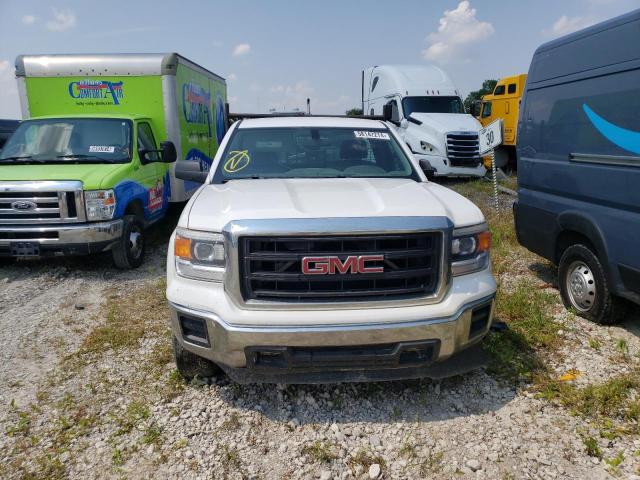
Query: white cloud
point(241, 49)
point(292, 96)
point(9, 102)
point(29, 19)
point(566, 24)
point(458, 30)
point(62, 20)
point(232, 77)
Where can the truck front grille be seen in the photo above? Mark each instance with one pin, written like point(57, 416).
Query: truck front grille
point(463, 149)
point(271, 267)
point(36, 203)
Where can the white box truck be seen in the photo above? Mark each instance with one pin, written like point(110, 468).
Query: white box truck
point(429, 116)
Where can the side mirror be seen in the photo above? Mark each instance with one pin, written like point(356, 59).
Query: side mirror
point(476, 108)
point(404, 123)
point(428, 170)
point(387, 113)
point(190, 171)
point(168, 151)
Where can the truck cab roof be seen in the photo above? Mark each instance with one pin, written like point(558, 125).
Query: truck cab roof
point(125, 116)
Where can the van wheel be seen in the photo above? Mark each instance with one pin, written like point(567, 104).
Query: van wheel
point(128, 252)
point(583, 287)
point(191, 365)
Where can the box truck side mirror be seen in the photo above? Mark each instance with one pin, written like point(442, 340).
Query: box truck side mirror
point(168, 150)
point(190, 171)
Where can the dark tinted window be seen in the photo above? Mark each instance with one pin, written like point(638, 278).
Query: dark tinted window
point(560, 120)
point(431, 105)
point(375, 82)
point(486, 109)
point(511, 88)
point(499, 90)
point(147, 142)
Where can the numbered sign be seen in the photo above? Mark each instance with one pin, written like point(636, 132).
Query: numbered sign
point(490, 136)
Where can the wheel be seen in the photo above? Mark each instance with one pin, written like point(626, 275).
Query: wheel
point(584, 287)
point(191, 365)
point(128, 252)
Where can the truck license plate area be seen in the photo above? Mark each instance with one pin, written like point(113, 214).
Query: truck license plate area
point(394, 355)
point(25, 249)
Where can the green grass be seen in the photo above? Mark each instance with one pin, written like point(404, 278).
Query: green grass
point(526, 310)
point(319, 451)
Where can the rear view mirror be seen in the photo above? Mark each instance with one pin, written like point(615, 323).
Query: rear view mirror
point(190, 171)
point(387, 113)
point(426, 167)
point(168, 150)
point(476, 108)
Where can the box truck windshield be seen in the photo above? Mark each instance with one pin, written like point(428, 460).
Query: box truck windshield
point(81, 140)
point(432, 105)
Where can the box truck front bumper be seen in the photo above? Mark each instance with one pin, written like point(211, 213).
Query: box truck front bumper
point(428, 341)
point(56, 240)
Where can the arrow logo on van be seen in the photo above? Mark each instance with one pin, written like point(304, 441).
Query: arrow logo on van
point(623, 138)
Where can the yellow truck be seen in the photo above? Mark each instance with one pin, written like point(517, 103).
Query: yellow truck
point(503, 103)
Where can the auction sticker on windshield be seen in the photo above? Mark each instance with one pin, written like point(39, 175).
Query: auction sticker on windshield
point(101, 149)
point(370, 134)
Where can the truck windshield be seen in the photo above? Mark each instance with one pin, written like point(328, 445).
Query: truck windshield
point(69, 140)
point(431, 105)
point(312, 153)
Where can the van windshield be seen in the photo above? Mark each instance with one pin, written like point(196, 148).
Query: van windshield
point(431, 105)
point(309, 152)
point(69, 140)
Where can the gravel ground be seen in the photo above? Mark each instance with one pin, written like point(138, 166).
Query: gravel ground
point(89, 390)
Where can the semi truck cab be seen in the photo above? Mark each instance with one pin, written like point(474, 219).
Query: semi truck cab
point(428, 114)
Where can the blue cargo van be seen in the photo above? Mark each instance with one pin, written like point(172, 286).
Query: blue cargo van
point(578, 152)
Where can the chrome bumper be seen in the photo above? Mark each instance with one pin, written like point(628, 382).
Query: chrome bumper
point(229, 345)
point(84, 233)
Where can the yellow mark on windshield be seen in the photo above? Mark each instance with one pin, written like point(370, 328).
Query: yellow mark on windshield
point(237, 160)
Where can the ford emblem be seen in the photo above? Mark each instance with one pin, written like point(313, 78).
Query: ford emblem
point(22, 205)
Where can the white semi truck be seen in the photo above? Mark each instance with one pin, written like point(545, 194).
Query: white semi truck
point(428, 114)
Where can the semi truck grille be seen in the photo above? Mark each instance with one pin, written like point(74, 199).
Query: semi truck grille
point(463, 149)
point(36, 202)
point(403, 266)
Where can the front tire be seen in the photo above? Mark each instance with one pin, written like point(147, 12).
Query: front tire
point(584, 287)
point(128, 252)
point(191, 365)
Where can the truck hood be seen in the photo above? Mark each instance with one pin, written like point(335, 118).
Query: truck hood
point(446, 122)
point(93, 176)
point(216, 205)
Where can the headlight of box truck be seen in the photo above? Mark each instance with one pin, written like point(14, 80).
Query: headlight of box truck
point(100, 204)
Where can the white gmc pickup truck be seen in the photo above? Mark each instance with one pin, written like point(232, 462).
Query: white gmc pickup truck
point(317, 251)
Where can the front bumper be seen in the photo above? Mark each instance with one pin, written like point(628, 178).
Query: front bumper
point(444, 169)
point(366, 351)
point(54, 240)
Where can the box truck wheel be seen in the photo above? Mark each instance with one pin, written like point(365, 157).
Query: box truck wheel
point(128, 252)
point(584, 287)
point(191, 365)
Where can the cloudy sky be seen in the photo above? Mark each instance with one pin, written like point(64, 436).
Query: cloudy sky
point(276, 54)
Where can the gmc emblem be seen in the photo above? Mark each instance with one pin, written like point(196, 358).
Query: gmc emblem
point(333, 265)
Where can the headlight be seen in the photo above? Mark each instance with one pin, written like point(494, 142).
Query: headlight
point(100, 204)
point(427, 147)
point(199, 255)
point(470, 249)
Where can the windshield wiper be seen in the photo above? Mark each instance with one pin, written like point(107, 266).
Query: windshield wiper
point(18, 157)
point(83, 156)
